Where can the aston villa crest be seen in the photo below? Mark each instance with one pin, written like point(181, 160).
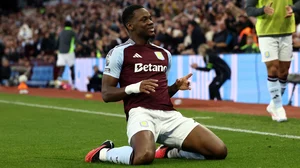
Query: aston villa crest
point(159, 55)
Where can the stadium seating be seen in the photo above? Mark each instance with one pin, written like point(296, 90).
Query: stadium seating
point(41, 76)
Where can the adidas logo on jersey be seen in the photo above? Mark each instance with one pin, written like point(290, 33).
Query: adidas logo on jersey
point(136, 55)
point(139, 67)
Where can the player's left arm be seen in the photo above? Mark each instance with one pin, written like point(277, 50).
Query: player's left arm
point(181, 83)
point(173, 89)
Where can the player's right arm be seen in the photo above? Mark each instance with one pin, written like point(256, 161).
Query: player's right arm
point(110, 91)
point(251, 9)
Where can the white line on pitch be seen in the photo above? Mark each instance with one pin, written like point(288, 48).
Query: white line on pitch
point(205, 118)
point(123, 116)
point(62, 108)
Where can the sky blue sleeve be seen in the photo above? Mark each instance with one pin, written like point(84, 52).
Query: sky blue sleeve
point(114, 62)
point(170, 62)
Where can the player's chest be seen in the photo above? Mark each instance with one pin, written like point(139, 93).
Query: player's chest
point(144, 59)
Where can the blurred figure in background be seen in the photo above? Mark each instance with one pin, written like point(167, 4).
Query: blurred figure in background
point(213, 61)
point(66, 50)
point(23, 88)
point(250, 46)
point(223, 39)
point(95, 82)
point(275, 26)
point(196, 36)
point(5, 72)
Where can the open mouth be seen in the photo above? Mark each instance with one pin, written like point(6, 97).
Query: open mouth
point(151, 29)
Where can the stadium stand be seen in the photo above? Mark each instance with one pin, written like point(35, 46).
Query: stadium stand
point(41, 76)
point(31, 34)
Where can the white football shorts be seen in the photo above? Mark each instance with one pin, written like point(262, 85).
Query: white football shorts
point(65, 59)
point(168, 127)
point(276, 48)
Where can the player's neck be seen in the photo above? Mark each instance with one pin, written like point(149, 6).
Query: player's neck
point(139, 41)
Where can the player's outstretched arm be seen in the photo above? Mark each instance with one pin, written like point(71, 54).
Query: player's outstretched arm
point(111, 93)
point(251, 9)
point(206, 69)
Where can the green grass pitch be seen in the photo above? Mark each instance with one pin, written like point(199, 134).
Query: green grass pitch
point(42, 137)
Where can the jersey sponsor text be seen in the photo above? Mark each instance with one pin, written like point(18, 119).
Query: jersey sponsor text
point(139, 67)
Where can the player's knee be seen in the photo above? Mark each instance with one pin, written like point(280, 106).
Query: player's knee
point(220, 151)
point(273, 69)
point(143, 158)
point(283, 73)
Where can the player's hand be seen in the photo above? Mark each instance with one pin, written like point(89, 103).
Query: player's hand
point(289, 11)
point(148, 86)
point(184, 83)
point(194, 65)
point(268, 9)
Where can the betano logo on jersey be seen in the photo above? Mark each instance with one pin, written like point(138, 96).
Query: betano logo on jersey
point(139, 67)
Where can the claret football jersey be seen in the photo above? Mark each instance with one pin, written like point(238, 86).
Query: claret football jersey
point(132, 63)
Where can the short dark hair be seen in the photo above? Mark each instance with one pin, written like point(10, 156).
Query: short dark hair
point(128, 13)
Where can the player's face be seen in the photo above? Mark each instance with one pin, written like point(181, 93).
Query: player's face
point(143, 24)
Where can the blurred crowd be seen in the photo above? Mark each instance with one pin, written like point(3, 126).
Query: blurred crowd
point(181, 27)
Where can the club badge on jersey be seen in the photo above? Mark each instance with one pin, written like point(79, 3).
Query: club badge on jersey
point(159, 55)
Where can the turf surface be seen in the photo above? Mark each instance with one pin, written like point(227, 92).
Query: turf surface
point(45, 137)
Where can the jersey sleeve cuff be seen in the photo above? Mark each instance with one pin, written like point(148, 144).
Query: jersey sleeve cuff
point(109, 74)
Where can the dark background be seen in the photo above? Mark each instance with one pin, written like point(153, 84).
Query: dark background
point(8, 6)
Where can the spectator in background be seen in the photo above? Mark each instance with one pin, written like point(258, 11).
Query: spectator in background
point(48, 43)
point(25, 33)
point(95, 82)
point(10, 51)
point(22, 67)
point(246, 29)
point(5, 72)
point(97, 24)
point(250, 46)
point(213, 61)
point(223, 39)
point(211, 29)
point(1, 47)
point(196, 38)
point(168, 35)
point(25, 36)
